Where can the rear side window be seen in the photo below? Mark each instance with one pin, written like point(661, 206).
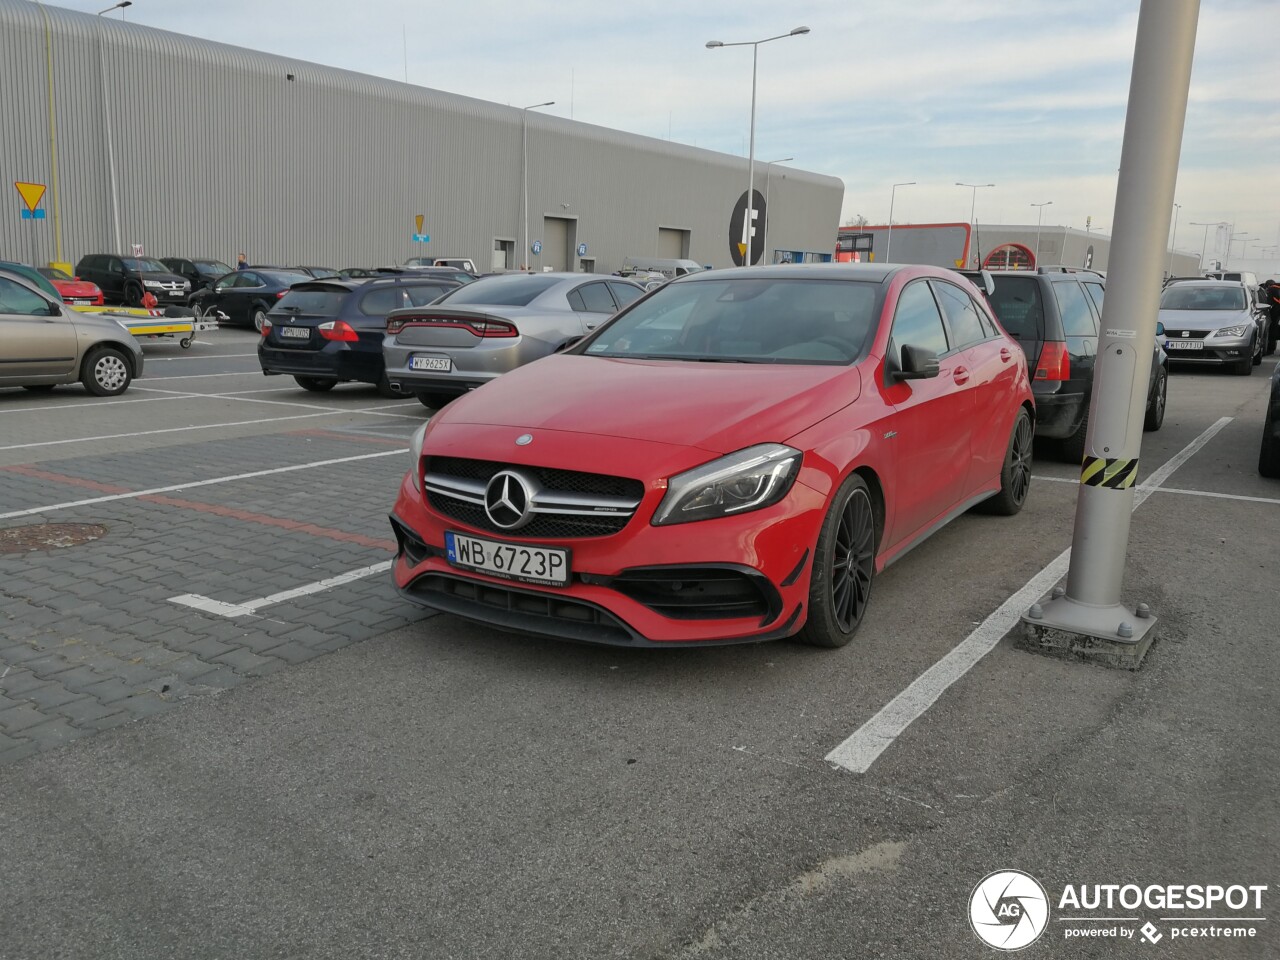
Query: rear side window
point(378, 303)
point(596, 298)
point(512, 290)
point(1018, 306)
point(17, 300)
point(316, 303)
point(1077, 318)
point(962, 315)
point(1097, 292)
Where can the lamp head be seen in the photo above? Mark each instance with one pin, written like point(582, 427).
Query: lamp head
point(712, 44)
point(799, 30)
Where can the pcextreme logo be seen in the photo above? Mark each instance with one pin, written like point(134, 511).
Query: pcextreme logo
point(1008, 910)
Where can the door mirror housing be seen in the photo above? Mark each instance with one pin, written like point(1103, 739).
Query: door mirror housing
point(918, 363)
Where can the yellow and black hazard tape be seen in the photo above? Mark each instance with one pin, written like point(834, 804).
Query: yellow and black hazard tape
point(1104, 472)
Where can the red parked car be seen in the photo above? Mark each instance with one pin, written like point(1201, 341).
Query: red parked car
point(73, 290)
point(732, 458)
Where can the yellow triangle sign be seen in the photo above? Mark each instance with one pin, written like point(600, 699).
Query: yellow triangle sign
point(742, 249)
point(960, 262)
point(418, 221)
point(32, 193)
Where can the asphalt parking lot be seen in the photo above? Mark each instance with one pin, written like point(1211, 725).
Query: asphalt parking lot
point(223, 734)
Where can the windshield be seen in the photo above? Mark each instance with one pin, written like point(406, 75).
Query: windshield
point(145, 265)
point(325, 302)
point(211, 268)
point(747, 320)
point(1192, 296)
point(512, 290)
point(53, 273)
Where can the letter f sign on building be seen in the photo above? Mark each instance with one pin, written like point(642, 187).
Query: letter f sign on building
point(746, 231)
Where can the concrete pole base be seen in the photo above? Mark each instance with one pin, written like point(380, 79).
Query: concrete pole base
point(1114, 636)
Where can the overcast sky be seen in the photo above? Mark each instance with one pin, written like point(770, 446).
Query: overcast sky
point(1027, 95)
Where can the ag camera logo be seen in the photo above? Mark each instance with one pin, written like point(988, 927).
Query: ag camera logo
point(1008, 910)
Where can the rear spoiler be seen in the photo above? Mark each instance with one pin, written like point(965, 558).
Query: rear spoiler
point(981, 279)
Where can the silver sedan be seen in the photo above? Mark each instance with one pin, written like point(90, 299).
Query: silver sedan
point(482, 330)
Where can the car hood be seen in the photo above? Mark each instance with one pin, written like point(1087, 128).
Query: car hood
point(76, 288)
point(1199, 321)
point(718, 407)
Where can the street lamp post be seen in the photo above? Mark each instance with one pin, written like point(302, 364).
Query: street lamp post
point(768, 172)
point(748, 213)
point(1245, 238)
point(973, 206)
point(1205, 245)
point(106, 125)
point(1177, 209)
point(524, 173)
point(1039, 216)
point(888, 242)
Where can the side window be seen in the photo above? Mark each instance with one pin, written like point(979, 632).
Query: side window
point(1077, 318)
point(1096, 293)
point(962, 315)
point(115, 266)
point(575, 301)
point(248, 279)
point(625, 293)
point(378, 303)
point(421, 294)
point(17, 300)
point(917, 322)
point(597, 299)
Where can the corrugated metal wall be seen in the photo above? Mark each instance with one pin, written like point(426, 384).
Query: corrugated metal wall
point(216, 151)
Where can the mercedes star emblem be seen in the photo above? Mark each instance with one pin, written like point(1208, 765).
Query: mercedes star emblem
point(507, 499)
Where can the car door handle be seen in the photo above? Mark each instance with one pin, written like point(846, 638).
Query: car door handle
point(591, 326)
point(1005, 354)
point(960, 375)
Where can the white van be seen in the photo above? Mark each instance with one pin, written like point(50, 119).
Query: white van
point(668, 268)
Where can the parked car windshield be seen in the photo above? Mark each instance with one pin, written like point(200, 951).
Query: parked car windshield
point(53, 273)
point(324, 302)
point(211, 268)
point(1187, 296)
point(746, 320)
point(512, 290)
point(145, 265)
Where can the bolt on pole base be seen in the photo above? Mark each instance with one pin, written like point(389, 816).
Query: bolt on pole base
point(1112, 636)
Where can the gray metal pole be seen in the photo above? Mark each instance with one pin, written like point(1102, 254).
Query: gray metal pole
point(751, 163)
point(106, 125)
point(1177, 209)
point(1154, 122)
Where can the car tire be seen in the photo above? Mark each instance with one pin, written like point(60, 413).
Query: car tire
point(843, 567)
point(435, 400)
point(1269, 455)
point(1159, 400)
point(133, 295)
point(1073, 446)
point(106, 372)
point(1260, 342)
point(40, 387)
point(316, 384)
point(1244, 366)
point(1015, 473)
point(385, 389)
point(259, 317)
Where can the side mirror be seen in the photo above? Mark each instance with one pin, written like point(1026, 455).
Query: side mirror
point(1159, 329)
point(918, 363)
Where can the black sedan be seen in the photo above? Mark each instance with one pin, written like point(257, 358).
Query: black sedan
point(244, 297)
point(1269, 455)
point(200, 273)
point(324, 332)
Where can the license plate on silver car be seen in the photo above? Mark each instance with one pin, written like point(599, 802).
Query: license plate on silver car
point(296, 333)
point(546, 566)
point(443, 364)
point(1184, 344)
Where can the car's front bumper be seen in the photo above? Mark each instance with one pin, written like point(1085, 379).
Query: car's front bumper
point(623, 586)
point(1216, 350)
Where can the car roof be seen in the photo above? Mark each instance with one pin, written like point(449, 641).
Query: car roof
point(874, 272)
point(6, 270)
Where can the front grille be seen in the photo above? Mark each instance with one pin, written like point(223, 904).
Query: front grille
point(1189, 335)
point(574, 522)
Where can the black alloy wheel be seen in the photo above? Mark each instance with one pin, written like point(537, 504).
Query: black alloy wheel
point(1015, 475)
point(843, 567)
point(1244, 366)
point(133, 294)
point(1259, 347)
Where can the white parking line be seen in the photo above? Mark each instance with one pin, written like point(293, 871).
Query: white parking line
point(860, 750)
point(94, 404)
point(1188, 493)
point(198, 376)
point(193, 484)
point(213, 356)
point(249, 607)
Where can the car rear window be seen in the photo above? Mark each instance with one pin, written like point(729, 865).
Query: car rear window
point(316, 302)
point(1018, 306)
point(513, 290)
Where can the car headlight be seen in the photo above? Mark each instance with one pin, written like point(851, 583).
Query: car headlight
point(415, 454)
point(1236, 331)
point(750, 479)
point(186, 284)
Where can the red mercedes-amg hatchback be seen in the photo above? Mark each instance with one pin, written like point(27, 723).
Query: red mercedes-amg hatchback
point(732, 458)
